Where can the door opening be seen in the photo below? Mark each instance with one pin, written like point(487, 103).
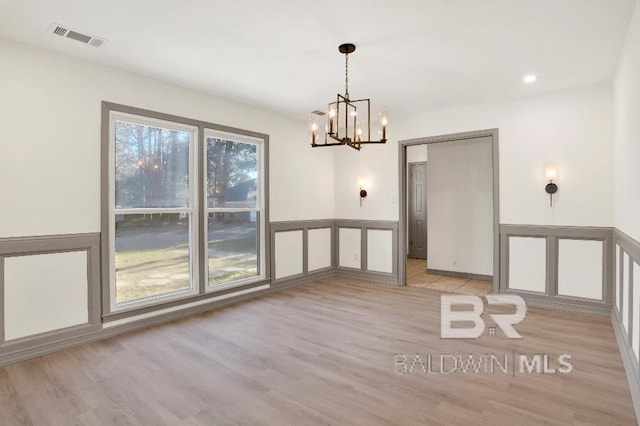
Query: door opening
point(449, 219)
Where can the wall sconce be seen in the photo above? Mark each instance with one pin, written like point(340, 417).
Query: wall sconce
point(363, 192)
point(551, 174)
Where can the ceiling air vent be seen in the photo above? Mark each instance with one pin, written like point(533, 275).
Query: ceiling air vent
point(61, 31)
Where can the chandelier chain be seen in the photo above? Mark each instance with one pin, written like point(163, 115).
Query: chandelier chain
point(346, 76)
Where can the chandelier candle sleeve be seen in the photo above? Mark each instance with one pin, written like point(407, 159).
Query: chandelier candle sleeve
point(314, 128)
point(384, 127)
point(332, 115)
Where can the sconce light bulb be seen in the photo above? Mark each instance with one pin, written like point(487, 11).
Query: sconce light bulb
point(314, 127)
point(551, 172)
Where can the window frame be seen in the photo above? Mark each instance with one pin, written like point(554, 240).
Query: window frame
point(198, 229)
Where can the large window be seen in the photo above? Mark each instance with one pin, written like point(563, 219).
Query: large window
point(234, 208)
point(185, 209)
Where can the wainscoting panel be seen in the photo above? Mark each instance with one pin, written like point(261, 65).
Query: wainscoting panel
point(302, 251)
point(49, 290)
point(580, 268)
point(625, 291)
point(349, 243)
point(578, 273)
point(288, 254)
point(320, 247)
point(625, 314)
point(618, 285)
point(527, 259)
point(374, 243)
point(635, 339)
point(361, 249)
point(380, 250)
point(52, 288)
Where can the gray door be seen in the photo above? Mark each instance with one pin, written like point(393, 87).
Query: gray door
point(417, 210)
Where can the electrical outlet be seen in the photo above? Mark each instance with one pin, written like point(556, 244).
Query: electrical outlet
point(394, 198)
point(356, 256)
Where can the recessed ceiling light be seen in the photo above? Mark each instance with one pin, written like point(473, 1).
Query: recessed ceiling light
point(529, 78)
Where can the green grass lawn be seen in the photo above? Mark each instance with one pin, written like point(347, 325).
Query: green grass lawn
point(147, 273)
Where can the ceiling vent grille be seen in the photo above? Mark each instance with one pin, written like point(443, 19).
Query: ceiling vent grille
point(61, 31)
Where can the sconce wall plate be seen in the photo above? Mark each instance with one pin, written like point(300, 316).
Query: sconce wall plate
point(363, 193)
point(551, 188)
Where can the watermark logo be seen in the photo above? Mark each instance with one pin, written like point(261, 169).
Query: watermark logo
point(486, 363)
point(505, 322)
point(461, 318)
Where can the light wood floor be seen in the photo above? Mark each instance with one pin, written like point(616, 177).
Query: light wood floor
point(320, 354)
point(417, 276)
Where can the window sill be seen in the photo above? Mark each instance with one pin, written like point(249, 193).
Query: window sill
point(217, 292)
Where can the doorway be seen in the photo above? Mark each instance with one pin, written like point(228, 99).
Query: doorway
point(443, 218)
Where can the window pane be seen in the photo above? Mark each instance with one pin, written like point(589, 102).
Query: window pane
point(152, 166)
point(233, 246)
point(232, 169)
point(152, 255)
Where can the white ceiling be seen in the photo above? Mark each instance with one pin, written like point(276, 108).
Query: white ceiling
point(282, 54)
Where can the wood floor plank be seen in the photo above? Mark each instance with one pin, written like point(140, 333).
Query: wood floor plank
point(323, 353)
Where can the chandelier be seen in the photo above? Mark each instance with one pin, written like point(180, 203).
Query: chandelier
point(348, 121)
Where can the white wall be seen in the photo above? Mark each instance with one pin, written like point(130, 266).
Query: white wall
point(50, 146)
point(573, 128)
point(416, 153)
point(460, 206)
point(627, 133)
